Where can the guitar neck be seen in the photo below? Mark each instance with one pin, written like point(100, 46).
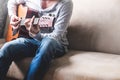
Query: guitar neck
point(36, 20)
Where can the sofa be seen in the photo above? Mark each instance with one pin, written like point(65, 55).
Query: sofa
point(94, 45)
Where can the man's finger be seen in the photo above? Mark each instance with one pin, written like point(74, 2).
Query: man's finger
point(32, 20)
point(27, 23)
point(15, 23)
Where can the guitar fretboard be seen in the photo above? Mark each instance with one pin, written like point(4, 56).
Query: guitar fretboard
point(36, 20)
point(43, 21)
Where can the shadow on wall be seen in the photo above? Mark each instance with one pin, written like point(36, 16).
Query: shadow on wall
point(83, 38)
point(3, 16)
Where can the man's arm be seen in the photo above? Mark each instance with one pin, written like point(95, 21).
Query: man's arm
point(61, 23)
point(12, 6)
point(12, 9)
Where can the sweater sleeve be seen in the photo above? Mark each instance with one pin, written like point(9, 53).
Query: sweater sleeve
point(61, 23)
point(12, 6)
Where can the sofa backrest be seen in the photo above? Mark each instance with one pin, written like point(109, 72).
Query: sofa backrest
point(95, 25)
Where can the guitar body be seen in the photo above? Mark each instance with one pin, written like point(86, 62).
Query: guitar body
point(22, 12)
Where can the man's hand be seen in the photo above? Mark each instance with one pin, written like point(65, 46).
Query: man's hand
point(33, 29)
point(15, 21)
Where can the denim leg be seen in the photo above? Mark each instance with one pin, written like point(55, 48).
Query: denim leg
point(14, 50)
point(48, 49)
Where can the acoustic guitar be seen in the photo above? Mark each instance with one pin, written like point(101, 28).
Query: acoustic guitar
point(45, 22)
point(22, 12)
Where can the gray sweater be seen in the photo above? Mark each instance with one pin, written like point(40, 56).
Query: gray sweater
point(61, 11)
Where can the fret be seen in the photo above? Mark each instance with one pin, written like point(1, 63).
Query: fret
point(36, 20)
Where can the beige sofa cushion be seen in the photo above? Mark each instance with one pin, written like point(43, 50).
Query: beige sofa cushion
point(88, 66)
point(77, 65)
point(95, 25)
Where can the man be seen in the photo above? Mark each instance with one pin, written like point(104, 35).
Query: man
point(45, 40)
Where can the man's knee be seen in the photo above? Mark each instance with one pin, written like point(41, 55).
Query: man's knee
point(48, 42)
point(7, 45)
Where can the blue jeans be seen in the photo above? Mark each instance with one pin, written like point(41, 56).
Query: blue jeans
point(43, 51)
